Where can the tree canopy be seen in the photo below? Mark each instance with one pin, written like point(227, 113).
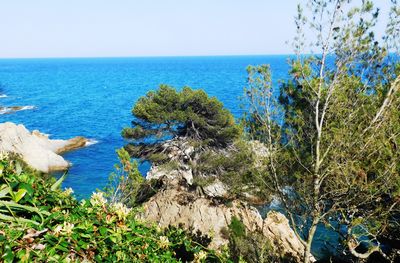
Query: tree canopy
point(190, 113)
point(333, 133)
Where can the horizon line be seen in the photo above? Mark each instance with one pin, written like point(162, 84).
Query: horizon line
point(147, 56)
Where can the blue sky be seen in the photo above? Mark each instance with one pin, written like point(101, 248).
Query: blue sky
point(105, 28)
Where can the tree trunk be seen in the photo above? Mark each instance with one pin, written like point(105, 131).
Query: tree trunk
point(311, 233)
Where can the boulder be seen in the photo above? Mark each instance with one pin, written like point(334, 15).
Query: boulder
point(216, 189)
point(35, 148)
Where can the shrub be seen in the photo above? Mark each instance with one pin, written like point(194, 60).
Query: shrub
point(47, 224)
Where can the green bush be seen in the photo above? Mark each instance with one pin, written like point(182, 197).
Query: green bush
point(235, 167)
point(249, 247)
point(39, 222)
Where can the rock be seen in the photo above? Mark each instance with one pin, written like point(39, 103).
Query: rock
point(36, 149)
point(260, 151)
point(177, 202)
point(184, 172)
point(276, 226)
point(177, 206)
point(12, 109)
point(72, 144)
point(216, 189)
point(178, 149)
point(156, 172)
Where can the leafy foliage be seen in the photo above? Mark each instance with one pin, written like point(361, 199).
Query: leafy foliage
point(190, 113)
point(235, 167)
point(198, 124)
point(50, 225)
point(250, 247)
point(17, 195)
point(125, 182)
point(333, 132)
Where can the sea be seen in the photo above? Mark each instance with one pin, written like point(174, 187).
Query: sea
point(93, 97)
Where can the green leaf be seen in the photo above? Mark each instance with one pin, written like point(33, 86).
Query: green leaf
point(58, 183)
point(4, 217)
point(103, 230)
point(12, 206)
point(113, 239)
point(8, 256)
point(27, 187)
point(19, 195)
point(83, 244)
point(4, 190)
point(18, 168)
point(62, 248)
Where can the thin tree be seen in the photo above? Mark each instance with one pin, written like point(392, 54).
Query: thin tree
point(333, 129)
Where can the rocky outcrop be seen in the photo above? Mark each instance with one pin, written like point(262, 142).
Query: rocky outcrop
point(178, 202)
point(179, 151)
point(179, 206)
point(35, 148)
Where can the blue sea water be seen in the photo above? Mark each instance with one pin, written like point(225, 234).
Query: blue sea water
point(93, 97)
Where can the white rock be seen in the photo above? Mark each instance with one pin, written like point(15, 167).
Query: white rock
point(156, 172)
point(187, 174)
point(35, 148)
point(216, 189)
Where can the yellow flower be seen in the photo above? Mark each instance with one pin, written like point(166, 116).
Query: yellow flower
point(68, 191)
point(121, 256)
point(199, 257)
point(97, 199)
point(67, 228)
point(110, 219)
point(121, 211)
point(57, 230)
point(164, 242)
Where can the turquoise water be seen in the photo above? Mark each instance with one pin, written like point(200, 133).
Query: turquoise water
point(93, 98)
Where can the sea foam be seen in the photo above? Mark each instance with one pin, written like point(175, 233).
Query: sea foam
point(91, 142)
point(28, 108)
point(7, 110)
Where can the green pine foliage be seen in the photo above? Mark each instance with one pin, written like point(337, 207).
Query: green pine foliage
point(190, 113)
point(235, 167)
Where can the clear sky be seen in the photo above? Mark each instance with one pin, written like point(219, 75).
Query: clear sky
point(104, 28)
